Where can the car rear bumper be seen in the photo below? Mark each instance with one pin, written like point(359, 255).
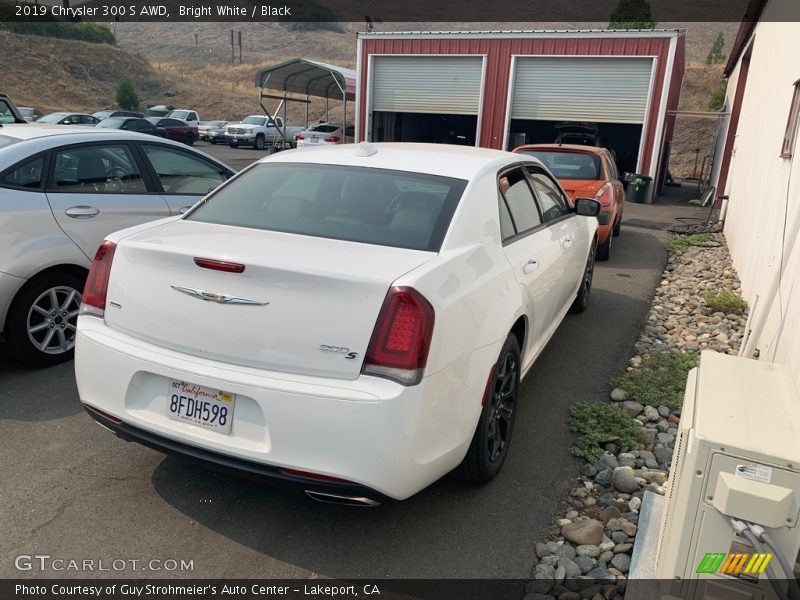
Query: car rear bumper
point(377, 435)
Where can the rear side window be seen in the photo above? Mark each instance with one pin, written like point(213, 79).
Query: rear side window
point(27, 175)
point(97, 169)
point(181, 173)
point(371, 206)
point(519, 199)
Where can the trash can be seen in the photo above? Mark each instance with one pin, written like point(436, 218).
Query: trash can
point(638, 186)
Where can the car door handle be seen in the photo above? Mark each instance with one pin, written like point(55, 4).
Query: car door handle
point(183, 209)
point(530, 267)
point(567, 243)
point(82, 212)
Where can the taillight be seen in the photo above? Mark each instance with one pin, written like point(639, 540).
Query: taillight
point(332, 138)
point(299, 137)
point(219, 265)
point(603, 195)
point(93, 301)
point(401, 339)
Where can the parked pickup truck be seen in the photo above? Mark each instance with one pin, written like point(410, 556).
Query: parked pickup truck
point(259, 132)
point(185, 114)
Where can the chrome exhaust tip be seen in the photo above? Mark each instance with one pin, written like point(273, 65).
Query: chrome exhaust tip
point(342, 500)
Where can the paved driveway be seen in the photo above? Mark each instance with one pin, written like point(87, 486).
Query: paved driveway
point(72, 490)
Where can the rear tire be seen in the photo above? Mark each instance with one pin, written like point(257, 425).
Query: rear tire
point(39, 330)
point(581, 302)
point(604, 249)
point(618, 227)
point(489, 446)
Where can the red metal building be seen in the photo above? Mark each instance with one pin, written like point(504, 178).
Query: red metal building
point(502, 89)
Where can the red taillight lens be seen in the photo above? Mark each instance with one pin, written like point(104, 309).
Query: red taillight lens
point(401, 339)
point(299, 137)
point(219, 265)
point(332, 138)
point(93, 301)
point(603, 195)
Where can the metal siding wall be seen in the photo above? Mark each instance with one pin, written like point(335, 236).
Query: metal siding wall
point(597, 89)
point(427, 84)
point(764, 190)
point(499, 52)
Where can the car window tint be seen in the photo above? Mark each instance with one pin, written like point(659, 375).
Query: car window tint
point(506, 224)
point(569, 165)
point(108, 169)
point(554, 205)
point(518, 196)
point(26, 175)
point(371, 206)
point(6, 116)
point(182, 173)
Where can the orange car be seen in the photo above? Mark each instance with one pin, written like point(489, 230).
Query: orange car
point(586, 172)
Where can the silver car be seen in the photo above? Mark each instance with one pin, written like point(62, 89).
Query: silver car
point(62, 190)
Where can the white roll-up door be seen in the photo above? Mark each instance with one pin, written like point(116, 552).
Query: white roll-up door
point(598, 89)
point(427, 84)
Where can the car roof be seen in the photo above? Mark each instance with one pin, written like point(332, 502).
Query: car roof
point(461, 162)
point(596, 150)
point(38, 138)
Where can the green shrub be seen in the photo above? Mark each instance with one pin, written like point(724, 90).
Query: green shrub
point(85, 32)
point(727, 302)
point(599, 423)
point(660, 380)
point(717, 100)
point(631, 14)
point(678, 244)
point(126, 95)
point(716, 55)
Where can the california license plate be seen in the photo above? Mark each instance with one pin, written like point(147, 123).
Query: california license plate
point(201, 406)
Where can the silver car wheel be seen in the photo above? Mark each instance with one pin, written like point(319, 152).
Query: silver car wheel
point(52, 318)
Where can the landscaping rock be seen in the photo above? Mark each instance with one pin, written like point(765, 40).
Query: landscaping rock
point(627, 460)
point(588, 550)
point(565, 551)
point(571, 569)
point(621, 562)
point(624, 480)
point(608, 513)
point(665, 438)
point(583, 532)
point(649, 458)
point(585, 563)
point(619, 395)
point(663, 411)
point(604, 477)
point(651, 413)
point(631, 407)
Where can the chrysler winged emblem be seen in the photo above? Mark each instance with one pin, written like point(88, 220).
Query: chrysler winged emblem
point(218, 298)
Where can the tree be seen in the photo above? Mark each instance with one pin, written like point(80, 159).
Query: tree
point(632, 14)
point(716, 55)
point(126, 95)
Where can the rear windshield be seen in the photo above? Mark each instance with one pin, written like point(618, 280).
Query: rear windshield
point(325, 128)
point(371, 206)
point(569, 165)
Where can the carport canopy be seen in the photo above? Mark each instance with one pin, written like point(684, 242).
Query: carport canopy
point(309, 77)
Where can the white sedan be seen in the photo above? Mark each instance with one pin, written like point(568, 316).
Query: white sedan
point(323, 134)
point(354, 320)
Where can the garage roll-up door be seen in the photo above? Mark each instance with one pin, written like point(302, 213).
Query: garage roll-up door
point(427, 84)
point(601, 89)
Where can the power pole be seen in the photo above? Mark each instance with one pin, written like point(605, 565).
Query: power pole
point(233, 52)
point(240, 47)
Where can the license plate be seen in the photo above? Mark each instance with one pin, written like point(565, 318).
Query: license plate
point(314, 140)
point(201, 406)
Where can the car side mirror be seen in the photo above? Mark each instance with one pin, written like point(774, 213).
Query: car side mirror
point(587, 207)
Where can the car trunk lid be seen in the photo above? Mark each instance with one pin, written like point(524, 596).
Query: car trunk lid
point(302, 304)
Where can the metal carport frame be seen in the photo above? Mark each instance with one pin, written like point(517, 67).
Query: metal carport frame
point(308, 77)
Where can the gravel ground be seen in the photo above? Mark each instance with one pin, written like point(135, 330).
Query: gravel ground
point(590, 553)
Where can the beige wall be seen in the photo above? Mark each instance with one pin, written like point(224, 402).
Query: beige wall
point(764, 210)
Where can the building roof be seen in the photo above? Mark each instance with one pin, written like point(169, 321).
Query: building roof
point(309, 77)
point(523, 33)
point(749, 21)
